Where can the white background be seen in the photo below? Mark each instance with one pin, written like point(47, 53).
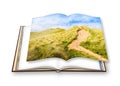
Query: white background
point(14, 13)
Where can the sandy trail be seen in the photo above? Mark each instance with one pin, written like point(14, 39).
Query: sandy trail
point(82, 35)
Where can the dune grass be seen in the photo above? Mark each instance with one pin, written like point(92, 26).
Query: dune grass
point(50, 43)
point(95, 43)
point(54, 43)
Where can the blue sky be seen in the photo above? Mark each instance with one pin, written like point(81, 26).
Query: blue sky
point(64, 21)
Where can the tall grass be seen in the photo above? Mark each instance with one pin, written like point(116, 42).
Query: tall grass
point(54, 43)
point(51, 43)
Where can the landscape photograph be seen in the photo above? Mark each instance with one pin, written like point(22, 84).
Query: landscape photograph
point(67, 36)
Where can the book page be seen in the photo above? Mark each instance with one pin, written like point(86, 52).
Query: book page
point(82, 63)
point(53, 62)
point(23, 64)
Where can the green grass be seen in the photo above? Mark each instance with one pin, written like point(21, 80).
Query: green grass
point(35, 35)
point(54, 42)
point(50, 43)
point(95, 42)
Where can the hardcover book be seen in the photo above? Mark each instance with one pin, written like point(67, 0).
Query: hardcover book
point(59, 42)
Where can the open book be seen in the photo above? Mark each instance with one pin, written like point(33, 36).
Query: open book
point(56, 46)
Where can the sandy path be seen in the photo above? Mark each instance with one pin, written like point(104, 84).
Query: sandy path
point(82, 35)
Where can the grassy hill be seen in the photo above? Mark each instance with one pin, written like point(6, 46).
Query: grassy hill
point(95, 43)
point(54, 43)
point(50, 43)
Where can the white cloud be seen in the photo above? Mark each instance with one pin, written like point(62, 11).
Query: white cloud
point(61, 20)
